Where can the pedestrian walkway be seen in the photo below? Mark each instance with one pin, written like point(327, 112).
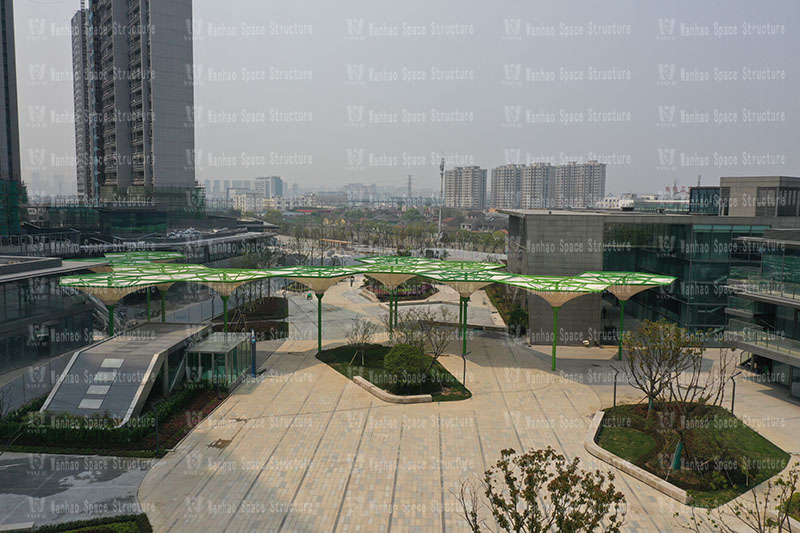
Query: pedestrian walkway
point(304, 449)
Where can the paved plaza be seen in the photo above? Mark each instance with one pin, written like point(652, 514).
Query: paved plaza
point(304, 449)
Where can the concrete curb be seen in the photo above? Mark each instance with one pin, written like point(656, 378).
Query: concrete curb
point(629, 468)
point(389, 397)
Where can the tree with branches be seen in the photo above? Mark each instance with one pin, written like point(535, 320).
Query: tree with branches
point(359, 336)
point(541, 491)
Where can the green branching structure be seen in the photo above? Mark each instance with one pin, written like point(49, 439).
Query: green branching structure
point(131, 272)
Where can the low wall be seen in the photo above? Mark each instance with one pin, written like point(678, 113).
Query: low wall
point(629, 468)
point(389, 397)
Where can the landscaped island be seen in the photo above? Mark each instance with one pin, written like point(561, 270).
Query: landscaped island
point(680, 432)
point(411, 378)
point(721, 457)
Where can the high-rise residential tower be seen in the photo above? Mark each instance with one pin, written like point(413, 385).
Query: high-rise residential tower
point(465, 187)
point(139, 97)
point(506, 183)
point(80, 92)
point(537, 186)
point(579, 185)
point(10, 175)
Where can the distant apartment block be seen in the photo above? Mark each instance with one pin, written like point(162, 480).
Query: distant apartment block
point(135, 95)
point(270, 187)
point(537, 186)
point(465, 188)
point(505, 186)
point(579, 185)
point(544, 186)
point(10, 176)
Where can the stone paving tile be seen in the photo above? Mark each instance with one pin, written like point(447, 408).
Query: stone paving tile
point(311, 451)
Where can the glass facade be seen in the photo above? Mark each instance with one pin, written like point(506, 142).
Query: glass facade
point(40, 319)
point(699, 255)
point(765, 314)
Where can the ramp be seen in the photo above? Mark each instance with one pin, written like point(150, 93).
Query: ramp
point(115, 377)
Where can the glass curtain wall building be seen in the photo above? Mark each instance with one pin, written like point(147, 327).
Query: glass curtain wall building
point(764, 308)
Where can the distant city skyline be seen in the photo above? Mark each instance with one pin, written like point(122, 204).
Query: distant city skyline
point(367, 93)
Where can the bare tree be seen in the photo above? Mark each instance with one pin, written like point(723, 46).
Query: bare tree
point(540, 491)
point(657, 352)
point(359, 336)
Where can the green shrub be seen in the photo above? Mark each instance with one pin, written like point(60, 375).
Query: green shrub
point(408, 365)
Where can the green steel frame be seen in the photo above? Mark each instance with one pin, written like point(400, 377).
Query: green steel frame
point(132, 271)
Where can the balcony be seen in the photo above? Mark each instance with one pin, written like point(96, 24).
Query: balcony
point(767, 290)
point(753, 338)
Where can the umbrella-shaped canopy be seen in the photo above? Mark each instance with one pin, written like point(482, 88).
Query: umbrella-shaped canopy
point(558, 290)
point(318, 279)
point(392, 275)
point(465, 282)
point(625, 285)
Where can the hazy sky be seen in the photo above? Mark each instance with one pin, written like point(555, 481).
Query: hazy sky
point(327, 93)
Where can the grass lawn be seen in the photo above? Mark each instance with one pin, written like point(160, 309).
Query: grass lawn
point(630, 444)
point(442, 386)
point(722, 457)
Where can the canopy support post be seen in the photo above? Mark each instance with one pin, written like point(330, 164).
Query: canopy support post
point(163, 304)
point(147, 291)
point(111, 319)
point(621, 326)
point(319, 322)
point(555, 335)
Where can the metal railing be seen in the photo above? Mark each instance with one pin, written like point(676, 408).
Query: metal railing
point(760, 337)
point(767, 287)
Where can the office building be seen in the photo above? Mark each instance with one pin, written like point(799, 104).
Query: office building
point(39, 318)
point(764, 307)
point(465, 188)
point(698, 249)
point(137, 89)
point(505, 186)
point(10, 175)
point(579, 185)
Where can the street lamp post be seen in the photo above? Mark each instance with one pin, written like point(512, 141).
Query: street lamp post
point(733, 395)
point(616, 373)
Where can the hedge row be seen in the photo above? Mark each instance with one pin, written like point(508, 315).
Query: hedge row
point(26, 426)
